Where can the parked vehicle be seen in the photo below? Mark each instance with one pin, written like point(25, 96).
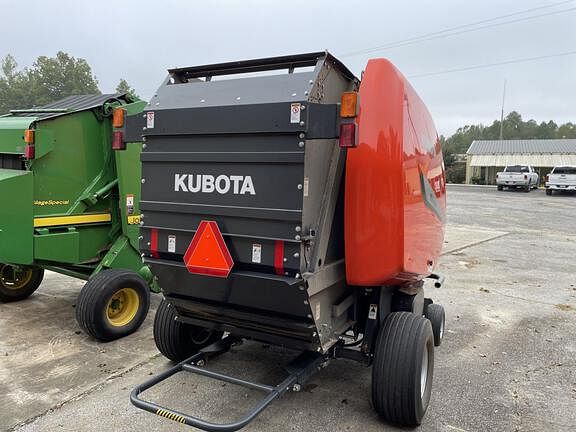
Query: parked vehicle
point(517, 177)
point(70, 185)
point(561, 178)
point(302, 208)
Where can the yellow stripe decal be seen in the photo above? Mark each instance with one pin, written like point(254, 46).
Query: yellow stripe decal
point(170, 415)
point(72, 220)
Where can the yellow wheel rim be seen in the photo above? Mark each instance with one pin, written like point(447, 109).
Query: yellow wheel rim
point(122, 307)
point(14, 278)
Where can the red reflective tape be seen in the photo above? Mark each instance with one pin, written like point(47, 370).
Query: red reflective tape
point(279, 257)
point(154, 243)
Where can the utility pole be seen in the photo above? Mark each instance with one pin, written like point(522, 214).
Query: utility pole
point(502, 112)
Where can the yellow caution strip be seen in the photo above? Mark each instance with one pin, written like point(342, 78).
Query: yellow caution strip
point(170, 415)
point(72, 220)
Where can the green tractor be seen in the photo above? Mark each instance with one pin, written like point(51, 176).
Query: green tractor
point(70, 190)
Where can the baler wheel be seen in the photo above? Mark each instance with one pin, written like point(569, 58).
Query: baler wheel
point(403, 368)
point(177, 340)
point(435, 313)
point(113, 304)
point(18, 283)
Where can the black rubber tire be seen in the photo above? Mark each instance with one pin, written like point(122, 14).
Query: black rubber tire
point(8, 294)
point(435, 313)
point(92, 303)
point(500, 187)
point(177, 340)
point(528, 188)
point(397, 394)
point(548, 192)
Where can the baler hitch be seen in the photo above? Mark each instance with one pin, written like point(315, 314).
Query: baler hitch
point(300, 369)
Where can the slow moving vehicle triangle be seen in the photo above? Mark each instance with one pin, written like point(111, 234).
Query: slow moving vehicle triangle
point(207, 253)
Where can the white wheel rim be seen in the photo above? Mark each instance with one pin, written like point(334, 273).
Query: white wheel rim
point(424, 372)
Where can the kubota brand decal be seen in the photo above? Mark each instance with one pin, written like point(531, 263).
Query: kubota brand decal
point(222, 184)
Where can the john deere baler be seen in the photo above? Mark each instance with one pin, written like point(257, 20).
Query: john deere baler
point(70, 188)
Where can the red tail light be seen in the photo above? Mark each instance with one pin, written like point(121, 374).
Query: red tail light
point(30, 151)
point(348, 135)
point(525, 176)
point(547, 177)
point(118, 141)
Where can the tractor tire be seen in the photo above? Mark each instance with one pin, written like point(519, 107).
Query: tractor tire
point(177, 340)
point(18, 283)
point(548, 192)
point(403, 369)
point(113, 304)
point(435, 313)
point(500, 187)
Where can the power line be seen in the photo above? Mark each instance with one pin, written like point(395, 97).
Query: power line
point(487, 65)
point(452, 31)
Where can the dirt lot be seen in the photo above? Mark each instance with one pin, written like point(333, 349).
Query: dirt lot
point(507, 363)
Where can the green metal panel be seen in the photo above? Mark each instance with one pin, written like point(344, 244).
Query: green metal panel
point(12, 133)
point(63, 247)
point(16, 220)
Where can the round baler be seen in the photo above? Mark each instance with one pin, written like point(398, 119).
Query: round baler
point(303, 209)
point(70, 186)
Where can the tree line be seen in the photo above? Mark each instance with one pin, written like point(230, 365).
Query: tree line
point(53, 78)
point(513, 127)
point(47, 80)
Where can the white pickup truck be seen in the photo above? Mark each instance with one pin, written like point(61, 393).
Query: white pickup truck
point(517, 176)
point(561, 178)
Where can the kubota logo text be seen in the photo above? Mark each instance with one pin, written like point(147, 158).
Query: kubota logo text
point(206, 183)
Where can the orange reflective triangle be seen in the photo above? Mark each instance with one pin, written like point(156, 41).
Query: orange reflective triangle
point(207, 253)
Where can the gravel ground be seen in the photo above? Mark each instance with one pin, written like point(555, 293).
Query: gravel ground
point(507, 362)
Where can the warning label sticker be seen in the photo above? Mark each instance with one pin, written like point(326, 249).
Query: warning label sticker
point(373, 311)
point(295, 113)
point(306, 186)
point(172, 243)
point(150, 120)
point(130, 204)
point(256, 253)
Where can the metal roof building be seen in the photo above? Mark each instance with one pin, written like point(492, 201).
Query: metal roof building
point(486, 157)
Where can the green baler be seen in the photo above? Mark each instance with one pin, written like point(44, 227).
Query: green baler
point(70, 188)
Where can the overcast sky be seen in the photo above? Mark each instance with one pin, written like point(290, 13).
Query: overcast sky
point(139, 40)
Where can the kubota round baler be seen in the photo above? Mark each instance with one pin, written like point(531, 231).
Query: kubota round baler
point(302, 208)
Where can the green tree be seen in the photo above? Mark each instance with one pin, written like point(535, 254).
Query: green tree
point(49, 79)
point(124, 87)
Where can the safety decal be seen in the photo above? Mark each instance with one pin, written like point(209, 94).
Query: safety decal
point(150, 120)
point(373, 311)
point(130, 204)
point(257, 253)
point(295, 113)
point(172, 243)
point(306, 186)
